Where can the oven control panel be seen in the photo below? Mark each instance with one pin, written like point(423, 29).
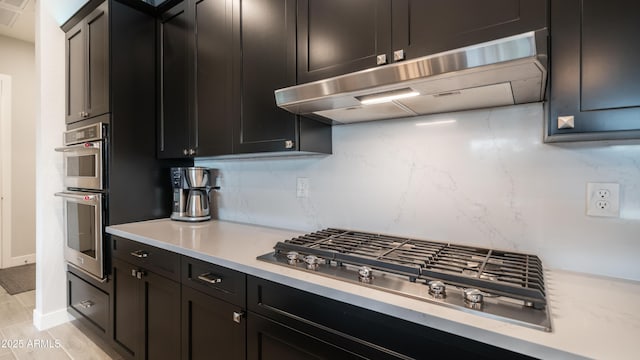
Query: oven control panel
point(86, 133)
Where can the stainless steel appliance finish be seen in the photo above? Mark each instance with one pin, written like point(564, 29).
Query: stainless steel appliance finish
point(83, 231)
point(191, 189)
point(507, 286)
point(83, 157)
point(85, 200)
point(502, 72)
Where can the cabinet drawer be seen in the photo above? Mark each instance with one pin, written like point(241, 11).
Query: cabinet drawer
point(215, 280)
point(88, 300)
point(162, 262)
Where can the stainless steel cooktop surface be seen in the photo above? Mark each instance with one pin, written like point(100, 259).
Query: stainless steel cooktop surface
point(508, 286)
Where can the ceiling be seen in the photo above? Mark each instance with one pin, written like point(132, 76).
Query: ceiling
point(17, 19)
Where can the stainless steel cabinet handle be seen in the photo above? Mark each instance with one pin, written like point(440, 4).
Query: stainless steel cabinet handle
point(398, 55)
point(381, 59)
point(134, 272)
point(140, 274)
point(139, 254)
point(210, 278)
point(86, 304)
point(288, 144)
point(566, 122)
point(237, 316)
point(192, 152)
point(185, 151)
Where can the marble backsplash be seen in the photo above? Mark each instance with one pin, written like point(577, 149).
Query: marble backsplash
point(480, 177)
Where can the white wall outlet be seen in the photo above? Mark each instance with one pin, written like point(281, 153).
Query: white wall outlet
point(302, 187)
point(603, 199)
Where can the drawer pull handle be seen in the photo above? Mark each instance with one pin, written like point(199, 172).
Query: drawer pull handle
point(140, 254)
point(86, 304)
point(237, 316)
point(209, 278)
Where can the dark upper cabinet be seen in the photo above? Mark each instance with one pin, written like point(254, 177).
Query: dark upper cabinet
point(424, 27)
point(87, 70)
point(337, 37)
point(221, 61)
point(264, 61)
point(175, 121)
point(594, 75)
point(195, 113)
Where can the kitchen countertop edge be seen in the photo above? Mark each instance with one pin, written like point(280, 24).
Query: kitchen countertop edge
point(468, 330)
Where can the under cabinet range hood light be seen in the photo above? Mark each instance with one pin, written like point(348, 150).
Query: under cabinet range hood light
point(502, 72)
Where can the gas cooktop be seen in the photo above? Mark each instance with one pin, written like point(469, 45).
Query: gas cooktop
point(503, 285)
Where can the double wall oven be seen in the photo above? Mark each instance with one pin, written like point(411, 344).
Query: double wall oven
point(84, 199)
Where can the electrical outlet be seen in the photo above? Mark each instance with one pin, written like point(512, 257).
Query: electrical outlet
point(603, 199)
point(302, 187)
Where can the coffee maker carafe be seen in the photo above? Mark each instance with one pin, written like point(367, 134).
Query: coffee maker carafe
point(191, 189)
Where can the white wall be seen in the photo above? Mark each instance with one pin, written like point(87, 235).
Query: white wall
point(50, 268)
point(486, 179)
point(18, 61)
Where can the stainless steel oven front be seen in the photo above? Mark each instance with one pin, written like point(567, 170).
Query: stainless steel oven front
point(85, 198)
point(84, 157)
point(83, 231)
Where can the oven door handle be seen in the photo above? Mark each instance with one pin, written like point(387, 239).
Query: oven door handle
point(88, 145)
point(78, 196)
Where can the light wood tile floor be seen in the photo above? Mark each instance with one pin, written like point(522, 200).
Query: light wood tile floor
point(20, 340)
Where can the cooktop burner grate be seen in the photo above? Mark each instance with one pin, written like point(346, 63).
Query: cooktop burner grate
point(510, 274)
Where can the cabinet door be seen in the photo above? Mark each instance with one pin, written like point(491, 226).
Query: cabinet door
point(336, 37)
point(270, 340)
point(209, 329)
point(97, 62)
point(424, 27)
point(213, 77)
point(175, 124)
point(594, 69)
point(146, 313)
point(128, 331)
point(75, 73)
point(264, 61)
point(162, 317)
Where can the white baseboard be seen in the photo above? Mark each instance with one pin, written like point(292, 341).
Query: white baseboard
point(51, 319)
point(19, 260)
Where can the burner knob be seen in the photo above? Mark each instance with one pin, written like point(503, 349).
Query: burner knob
point(365, 274)
point(437, 289)
point(293, 257)
point(473, 298)
point(312, 261)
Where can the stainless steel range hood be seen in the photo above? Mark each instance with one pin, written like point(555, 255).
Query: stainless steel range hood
point(502, 72)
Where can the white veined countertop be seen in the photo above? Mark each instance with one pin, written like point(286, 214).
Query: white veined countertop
point(591, 316)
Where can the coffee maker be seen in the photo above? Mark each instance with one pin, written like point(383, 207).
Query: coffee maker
point(191, 189)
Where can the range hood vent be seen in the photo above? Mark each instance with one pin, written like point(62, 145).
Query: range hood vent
point(501, 72)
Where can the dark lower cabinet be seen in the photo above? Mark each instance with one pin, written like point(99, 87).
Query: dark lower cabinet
point(211, 328)
point(88, 301)
point(289, 322)
point(271, 340)
point(594, 75)
point(213, 311)
point(146, 322)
